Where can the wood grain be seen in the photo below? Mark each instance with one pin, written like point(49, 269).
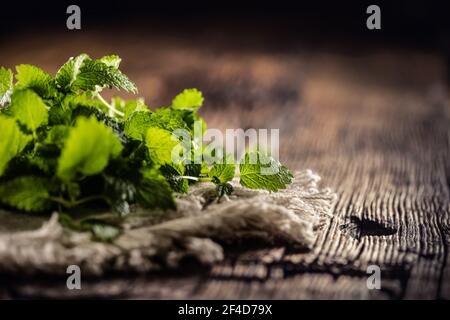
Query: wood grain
point(372, 122)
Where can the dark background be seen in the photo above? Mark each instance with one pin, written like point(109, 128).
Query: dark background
point(416, 22)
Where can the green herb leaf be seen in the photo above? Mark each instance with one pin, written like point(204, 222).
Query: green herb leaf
point(259, 171)
point(57, 135)
point(88, 148)
point(223, 189)
point(121, 191)
point(29, 109)
point(153, 191)
point(32, 77)
point(137, 125)
point(112, 61)
point(12, 141)
point(83, 73)
point(160, 144)
point(188, 99)
point(223, 172)
point(129, 107)
point(168, 119)
point(26, 193)
point(95, 73)
point(173, 174)
point(69, 72)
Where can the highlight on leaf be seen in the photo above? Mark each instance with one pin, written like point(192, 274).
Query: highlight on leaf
point(88, 148)
point(6, 85)
point(188, 99)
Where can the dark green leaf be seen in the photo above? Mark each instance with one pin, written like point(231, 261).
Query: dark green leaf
point(153, 191)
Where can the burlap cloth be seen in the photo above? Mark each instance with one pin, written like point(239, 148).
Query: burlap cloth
point(197, 229)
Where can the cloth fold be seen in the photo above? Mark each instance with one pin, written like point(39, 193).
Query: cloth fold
point(197, 229)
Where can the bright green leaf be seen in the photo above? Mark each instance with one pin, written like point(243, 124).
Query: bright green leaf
point(57, 135)
point(188, 99)
point(224, 172)
point(168, 119)
point(112, 61)
point(137, 125)
point(160, 144)
point(12, 141)
point(88, 148)
point(29, 109)
point(32, 77)
point(259, 171)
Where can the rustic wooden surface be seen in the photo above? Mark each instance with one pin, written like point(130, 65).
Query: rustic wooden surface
point(372, 122)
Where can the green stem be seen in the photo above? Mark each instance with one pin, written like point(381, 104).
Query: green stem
point(71, 204)
point(61, 201)
point(196, 178)
point(36, 145)
point(89, 199)
point(110, 107)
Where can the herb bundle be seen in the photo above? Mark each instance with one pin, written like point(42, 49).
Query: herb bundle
point(63, 146)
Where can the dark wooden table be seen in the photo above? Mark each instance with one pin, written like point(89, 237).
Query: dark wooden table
point(372, 122)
